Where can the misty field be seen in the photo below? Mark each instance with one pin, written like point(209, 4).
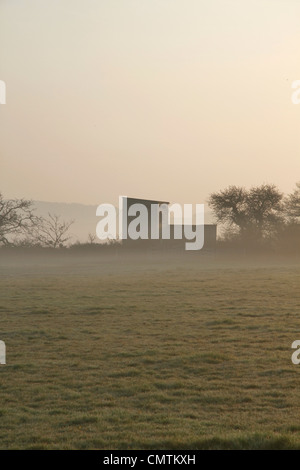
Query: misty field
point(151, 355)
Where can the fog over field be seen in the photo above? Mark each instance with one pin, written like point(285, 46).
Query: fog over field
point(131, 319)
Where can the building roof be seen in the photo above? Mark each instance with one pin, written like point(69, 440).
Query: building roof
point(146, 202)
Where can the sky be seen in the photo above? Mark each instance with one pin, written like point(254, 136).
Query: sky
point(158, 99)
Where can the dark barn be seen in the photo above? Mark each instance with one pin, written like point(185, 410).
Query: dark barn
point(172, 244)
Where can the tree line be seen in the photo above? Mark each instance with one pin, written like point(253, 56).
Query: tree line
point(259, 216)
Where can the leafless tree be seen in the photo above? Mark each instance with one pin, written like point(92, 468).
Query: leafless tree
point(17, 218)
point(91, 238)
point(52, 231)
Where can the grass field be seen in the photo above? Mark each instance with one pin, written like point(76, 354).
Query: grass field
point(149, 355)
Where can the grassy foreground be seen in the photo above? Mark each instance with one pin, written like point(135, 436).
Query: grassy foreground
point(151, 356)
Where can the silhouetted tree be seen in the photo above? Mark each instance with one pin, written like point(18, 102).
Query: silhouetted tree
point(292, 204)
point(256, 213)
point(52, 231)
point(16, 218)
point(91, 238)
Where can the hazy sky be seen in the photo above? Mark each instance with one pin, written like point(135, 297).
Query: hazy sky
point(167, 99)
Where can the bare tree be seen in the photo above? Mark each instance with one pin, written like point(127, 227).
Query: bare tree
point(16, 218)
point(91, 239)
point(52, 231)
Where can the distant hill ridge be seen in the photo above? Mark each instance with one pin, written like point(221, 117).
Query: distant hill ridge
point(84, 216)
